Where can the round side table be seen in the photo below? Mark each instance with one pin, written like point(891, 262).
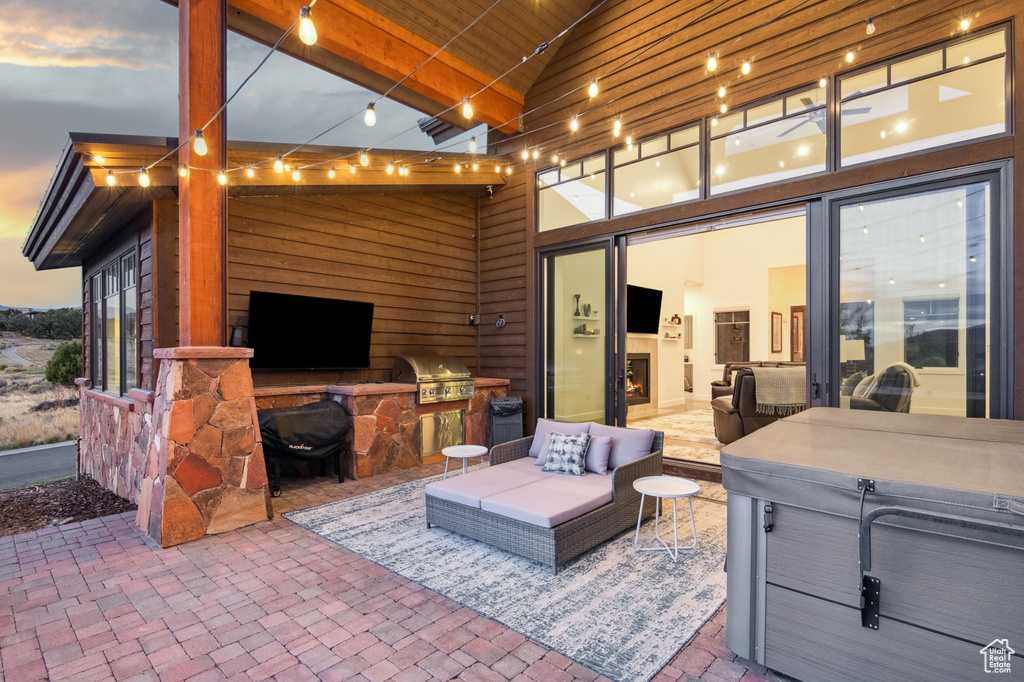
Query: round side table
point(663, 487)
point(463, 452)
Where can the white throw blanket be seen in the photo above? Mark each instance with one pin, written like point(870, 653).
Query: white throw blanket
point(780, 390)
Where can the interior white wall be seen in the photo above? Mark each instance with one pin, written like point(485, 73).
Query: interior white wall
point(579, 361)
point(721, 270)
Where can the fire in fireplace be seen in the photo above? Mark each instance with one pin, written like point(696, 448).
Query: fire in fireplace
point(638, 378)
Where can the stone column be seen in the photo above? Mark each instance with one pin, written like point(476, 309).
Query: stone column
point(204, 470)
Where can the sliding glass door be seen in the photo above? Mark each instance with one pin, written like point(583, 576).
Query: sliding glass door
point(578, 334)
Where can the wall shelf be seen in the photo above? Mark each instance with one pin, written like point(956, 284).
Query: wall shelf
point(587, 336)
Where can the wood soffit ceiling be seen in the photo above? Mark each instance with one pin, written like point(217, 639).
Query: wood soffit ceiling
point(375, 43)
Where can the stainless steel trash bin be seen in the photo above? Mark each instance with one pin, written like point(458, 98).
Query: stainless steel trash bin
point(506, 419)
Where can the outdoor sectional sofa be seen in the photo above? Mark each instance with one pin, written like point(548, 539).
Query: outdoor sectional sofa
point(545, 516)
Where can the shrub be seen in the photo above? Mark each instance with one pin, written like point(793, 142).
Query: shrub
point(40, 387)
point(66, 364)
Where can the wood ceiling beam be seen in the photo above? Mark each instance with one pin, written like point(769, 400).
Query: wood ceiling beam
point(366, 48)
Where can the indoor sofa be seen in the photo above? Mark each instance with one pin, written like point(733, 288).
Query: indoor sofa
point(737, 415)
point(724, 386)
point(550, 517)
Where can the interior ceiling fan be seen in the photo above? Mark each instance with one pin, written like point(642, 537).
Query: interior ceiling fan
point(817, 116)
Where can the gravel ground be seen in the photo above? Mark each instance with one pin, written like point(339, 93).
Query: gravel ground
point(56, 503)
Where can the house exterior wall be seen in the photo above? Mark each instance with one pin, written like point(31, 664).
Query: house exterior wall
point(667, 87)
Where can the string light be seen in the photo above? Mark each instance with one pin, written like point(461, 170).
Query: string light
point(183, 171)
point(295, 175)
point(330, 173)
point(592, 90)
point(563, 162)
point(712, 61)
point(724, 108)
point(250, 173)
point(721, 91)
point(526, 154)
point(472, 145)
point(111, 180)
point(278, 164)
point(364, 159)
point(458, 168)
point(536, 154)
point(714, 121)
point(199, 143)
point(574, 123)
point(390, 168)
point(307, 31)
point(370, 118)
point(467, 108)
point(554, 158)
point(508, 170)
point(352, 169)
point(476, 167)
point(822, 83)
point(222, 178)
point(99, 159)
point(849, 57)
point(745, 68)
point(629, 139)
point(965, 24)
point(143, 177)
point(870, 27)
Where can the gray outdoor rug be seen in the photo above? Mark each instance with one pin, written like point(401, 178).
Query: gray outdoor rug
point(620, 613)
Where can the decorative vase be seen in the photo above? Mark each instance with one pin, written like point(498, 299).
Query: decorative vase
point(577, 313)
point(676, 320)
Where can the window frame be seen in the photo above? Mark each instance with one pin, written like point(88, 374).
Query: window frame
point(112, 274)
point(714, 318)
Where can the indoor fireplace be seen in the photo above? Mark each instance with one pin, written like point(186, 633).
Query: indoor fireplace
point(638, 378)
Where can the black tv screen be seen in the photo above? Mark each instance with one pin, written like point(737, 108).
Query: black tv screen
point(643, 310)
point(305, 332)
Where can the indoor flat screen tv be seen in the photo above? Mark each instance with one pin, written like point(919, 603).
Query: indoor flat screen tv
point(643, 310)
point(305, 332)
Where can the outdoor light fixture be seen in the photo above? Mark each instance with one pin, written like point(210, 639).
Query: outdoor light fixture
point(183, 171)
point(712, 61)
point(364, 159)
point(724, 108)
point(278, 164)
point(526, 154)
point(721, 91)
point(822, 83)
point(222, 178)
point(199, 143)
point(536, 154)
point(458, 168)
point(390, 168)
point(745, 69)
point(554, 158)
point(472, 145)
point(307, 31)
point(370, 117)
point(111, 180)
point(574, 123)
point(250, 173)
point(476, 166)
point(870, 26)
point(965, 24)
point(592, 90)
point(352, 169)
point(467, 108)
point(143, 177)
point(849, 57)
point(98, 159)
point(295, 175)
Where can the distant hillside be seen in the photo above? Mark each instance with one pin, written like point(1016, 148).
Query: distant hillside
point(4, 307)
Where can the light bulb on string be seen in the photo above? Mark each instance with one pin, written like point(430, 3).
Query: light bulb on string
point(592, 90)
point(250, 173)
point(352, 169)
point(745, 68)
point(199, 143)
point(870, 28)
point(554, 158)
point(721, 91)
point(222, 178)
point(712, 61)
point(536, 154)
point(574, 123)
point(295, 175)
point(562, 162)
point(370, 118)
point(476, 167)
point(822, 83)
point(965, 24)
point(330, 173)
point(849, 57)
point(390, 169)
point(307, 31)
point(617, 126)
point(508, 170)
point(364, 159)
point(458, 168)
point(526, 154)
point(714, 121)
point(472, 145)
point(99, 159)
point(278, 164)
point(467, 108)
point(143, 177)
point(111, 180)
point(724, 108)
point(183, 171)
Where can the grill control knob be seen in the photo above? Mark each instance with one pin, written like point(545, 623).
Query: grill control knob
point(462, 389)
point(423, 391)
point(447, 390)
point(431, 391)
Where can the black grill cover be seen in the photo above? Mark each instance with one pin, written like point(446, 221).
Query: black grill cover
point(312, 431)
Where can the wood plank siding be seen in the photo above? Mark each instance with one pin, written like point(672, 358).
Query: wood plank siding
point(655, 87)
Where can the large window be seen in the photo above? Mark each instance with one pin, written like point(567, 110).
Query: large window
point(571, 194)
point(732, 336)
point(939, 97)
point(114, 327)
point(659, 171)
point(931, 332)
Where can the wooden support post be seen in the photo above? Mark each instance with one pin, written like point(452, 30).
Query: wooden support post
point(202, 201)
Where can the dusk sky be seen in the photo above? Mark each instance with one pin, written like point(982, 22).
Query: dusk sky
point(110, 66)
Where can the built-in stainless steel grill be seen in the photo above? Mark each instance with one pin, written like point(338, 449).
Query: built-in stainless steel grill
point(439, 378)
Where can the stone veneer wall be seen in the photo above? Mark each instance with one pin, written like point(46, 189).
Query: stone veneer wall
point(114, 433)
point(386, 426)
point(204, 471)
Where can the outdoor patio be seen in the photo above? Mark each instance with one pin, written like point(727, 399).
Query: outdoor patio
point(96, 601)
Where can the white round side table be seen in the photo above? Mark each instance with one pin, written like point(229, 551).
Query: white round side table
point(662, 487)
point(463, 452)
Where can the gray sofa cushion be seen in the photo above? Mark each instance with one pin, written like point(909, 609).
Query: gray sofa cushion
point(598, 452)
point(628, 445)
point(472, 488)
point(551, 501)
point(546, 426)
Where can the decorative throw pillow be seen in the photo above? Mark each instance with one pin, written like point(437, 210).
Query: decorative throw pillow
point(546, 426)
point(566, 454)
point(597, 454)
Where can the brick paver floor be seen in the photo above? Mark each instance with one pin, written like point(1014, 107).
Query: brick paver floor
point(95, 601)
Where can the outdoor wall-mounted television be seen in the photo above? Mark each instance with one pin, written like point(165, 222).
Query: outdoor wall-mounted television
point(305, 332)
point(643, 310)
